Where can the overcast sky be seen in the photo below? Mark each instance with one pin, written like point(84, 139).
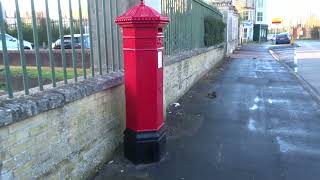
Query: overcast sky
point(288, 9)
point(25, 5)
point(276, 8)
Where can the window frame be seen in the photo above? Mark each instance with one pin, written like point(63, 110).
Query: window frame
point(246, 15)
point(259, 16)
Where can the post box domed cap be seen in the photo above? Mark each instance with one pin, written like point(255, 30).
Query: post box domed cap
point(141, 14)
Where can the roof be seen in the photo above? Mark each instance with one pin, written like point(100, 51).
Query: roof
point(76, 35)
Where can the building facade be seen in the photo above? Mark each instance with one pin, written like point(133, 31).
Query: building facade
point(261, 23)
point(254, 22)
point(247, 9)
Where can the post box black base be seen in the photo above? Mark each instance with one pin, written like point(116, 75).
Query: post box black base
point(144, 147)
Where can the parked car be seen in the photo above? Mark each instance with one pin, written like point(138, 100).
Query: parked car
point(271, 37)
point(77, 42)
point(283, 38)
point(13, 43)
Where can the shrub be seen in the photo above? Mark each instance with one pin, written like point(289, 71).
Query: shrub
point(2, 86)
point(214, 31)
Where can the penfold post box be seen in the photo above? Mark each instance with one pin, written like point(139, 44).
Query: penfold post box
point(145, 134)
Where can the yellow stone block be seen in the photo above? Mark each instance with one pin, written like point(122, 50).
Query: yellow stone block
point(19, 148)
point(23, 169)
point(38, 129)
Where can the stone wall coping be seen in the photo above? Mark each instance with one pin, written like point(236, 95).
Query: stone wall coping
point(23, 107)
point(190, 53)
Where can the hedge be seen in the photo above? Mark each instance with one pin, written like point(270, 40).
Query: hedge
point(214, 31)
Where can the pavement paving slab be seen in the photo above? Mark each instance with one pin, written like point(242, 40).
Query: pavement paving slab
point(250, 119)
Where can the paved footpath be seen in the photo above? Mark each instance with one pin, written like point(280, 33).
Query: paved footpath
point(262, 125)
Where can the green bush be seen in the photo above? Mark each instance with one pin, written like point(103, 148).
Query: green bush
point(214, 31)
point(2, 86)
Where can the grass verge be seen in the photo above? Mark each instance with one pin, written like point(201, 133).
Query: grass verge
point(32, 72)
point(16, 71)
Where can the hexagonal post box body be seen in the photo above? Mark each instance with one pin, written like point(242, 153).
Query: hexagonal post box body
point(144, 137)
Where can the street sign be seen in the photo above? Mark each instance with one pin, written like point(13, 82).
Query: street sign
point(276, 20)
point(248, 24)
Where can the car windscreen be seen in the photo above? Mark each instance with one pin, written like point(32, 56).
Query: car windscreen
point(68, 40)
point(282, 36)
point(8, 37)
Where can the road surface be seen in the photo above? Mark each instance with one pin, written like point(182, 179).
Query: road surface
point(305, 60)
point(263, 125)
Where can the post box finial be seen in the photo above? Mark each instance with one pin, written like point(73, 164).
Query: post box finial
point(141, 2)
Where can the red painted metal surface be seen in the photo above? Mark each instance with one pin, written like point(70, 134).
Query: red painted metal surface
point(143, 49)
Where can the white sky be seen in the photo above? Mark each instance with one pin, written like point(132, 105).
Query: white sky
point(25, 5)
point(287, 9)
point(292, 9)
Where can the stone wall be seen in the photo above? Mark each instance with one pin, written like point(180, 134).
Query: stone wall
point(181, 75)
point(63, 133)
point(70, 131)
point(232, 30)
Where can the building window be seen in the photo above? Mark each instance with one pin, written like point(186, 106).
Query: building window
point(260, 16)
point(246, 15)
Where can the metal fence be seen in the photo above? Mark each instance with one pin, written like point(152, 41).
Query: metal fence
point(186, 29)
point(12, 29)
point(104, 55)
point(83, 23)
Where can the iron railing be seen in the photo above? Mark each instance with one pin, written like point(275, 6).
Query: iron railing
point(185, 32)
point(186, 28)
point(81, 64)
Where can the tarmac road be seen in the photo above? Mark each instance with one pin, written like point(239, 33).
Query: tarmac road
point(305, 60)
point(263, 125)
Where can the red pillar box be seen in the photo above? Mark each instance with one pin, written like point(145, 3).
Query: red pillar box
point(144, 137)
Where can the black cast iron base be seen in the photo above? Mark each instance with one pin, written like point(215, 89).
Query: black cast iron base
point(144, 147)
